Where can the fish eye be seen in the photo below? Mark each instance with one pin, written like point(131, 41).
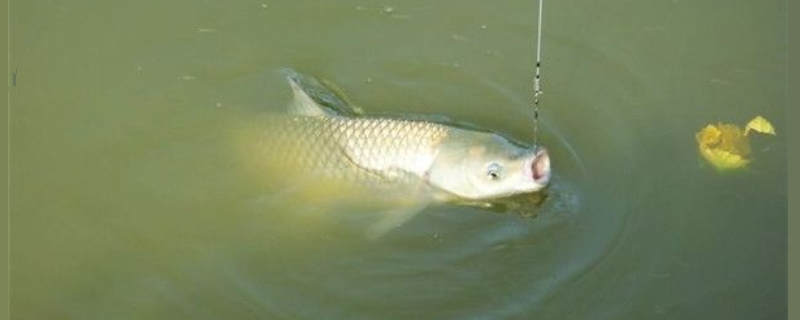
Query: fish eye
point(494, 171)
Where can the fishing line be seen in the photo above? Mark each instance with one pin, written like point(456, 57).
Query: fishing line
point(537, 80)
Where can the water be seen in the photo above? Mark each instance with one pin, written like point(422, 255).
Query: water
point(125, 204)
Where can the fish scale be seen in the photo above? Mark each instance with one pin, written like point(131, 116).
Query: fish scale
point(360, 150)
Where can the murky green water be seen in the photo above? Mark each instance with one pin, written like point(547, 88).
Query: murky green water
point(126, 205)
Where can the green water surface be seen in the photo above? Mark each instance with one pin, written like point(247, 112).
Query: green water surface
point(125, 203)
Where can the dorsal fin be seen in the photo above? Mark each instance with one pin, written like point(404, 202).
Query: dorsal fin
point(302, 104)
point(312, 98)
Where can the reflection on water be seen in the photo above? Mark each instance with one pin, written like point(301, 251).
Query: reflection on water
point(127, 203)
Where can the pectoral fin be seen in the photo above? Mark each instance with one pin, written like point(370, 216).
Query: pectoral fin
point(390, 219)
point(405, 205)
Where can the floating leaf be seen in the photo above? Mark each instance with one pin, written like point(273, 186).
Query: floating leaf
point(761, 125)
point(709, 136)
point(724, 146)
point(723, 160)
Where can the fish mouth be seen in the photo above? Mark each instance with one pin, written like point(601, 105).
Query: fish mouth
point(540, 167)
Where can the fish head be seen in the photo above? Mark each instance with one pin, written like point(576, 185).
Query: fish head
point(488, 166)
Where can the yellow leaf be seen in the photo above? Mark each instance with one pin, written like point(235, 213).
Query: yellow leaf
point(761, 125)
point(723, 160)
point(709, 136)
point(723, 146)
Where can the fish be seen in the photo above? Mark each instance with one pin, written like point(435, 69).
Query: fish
point(337, 148)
